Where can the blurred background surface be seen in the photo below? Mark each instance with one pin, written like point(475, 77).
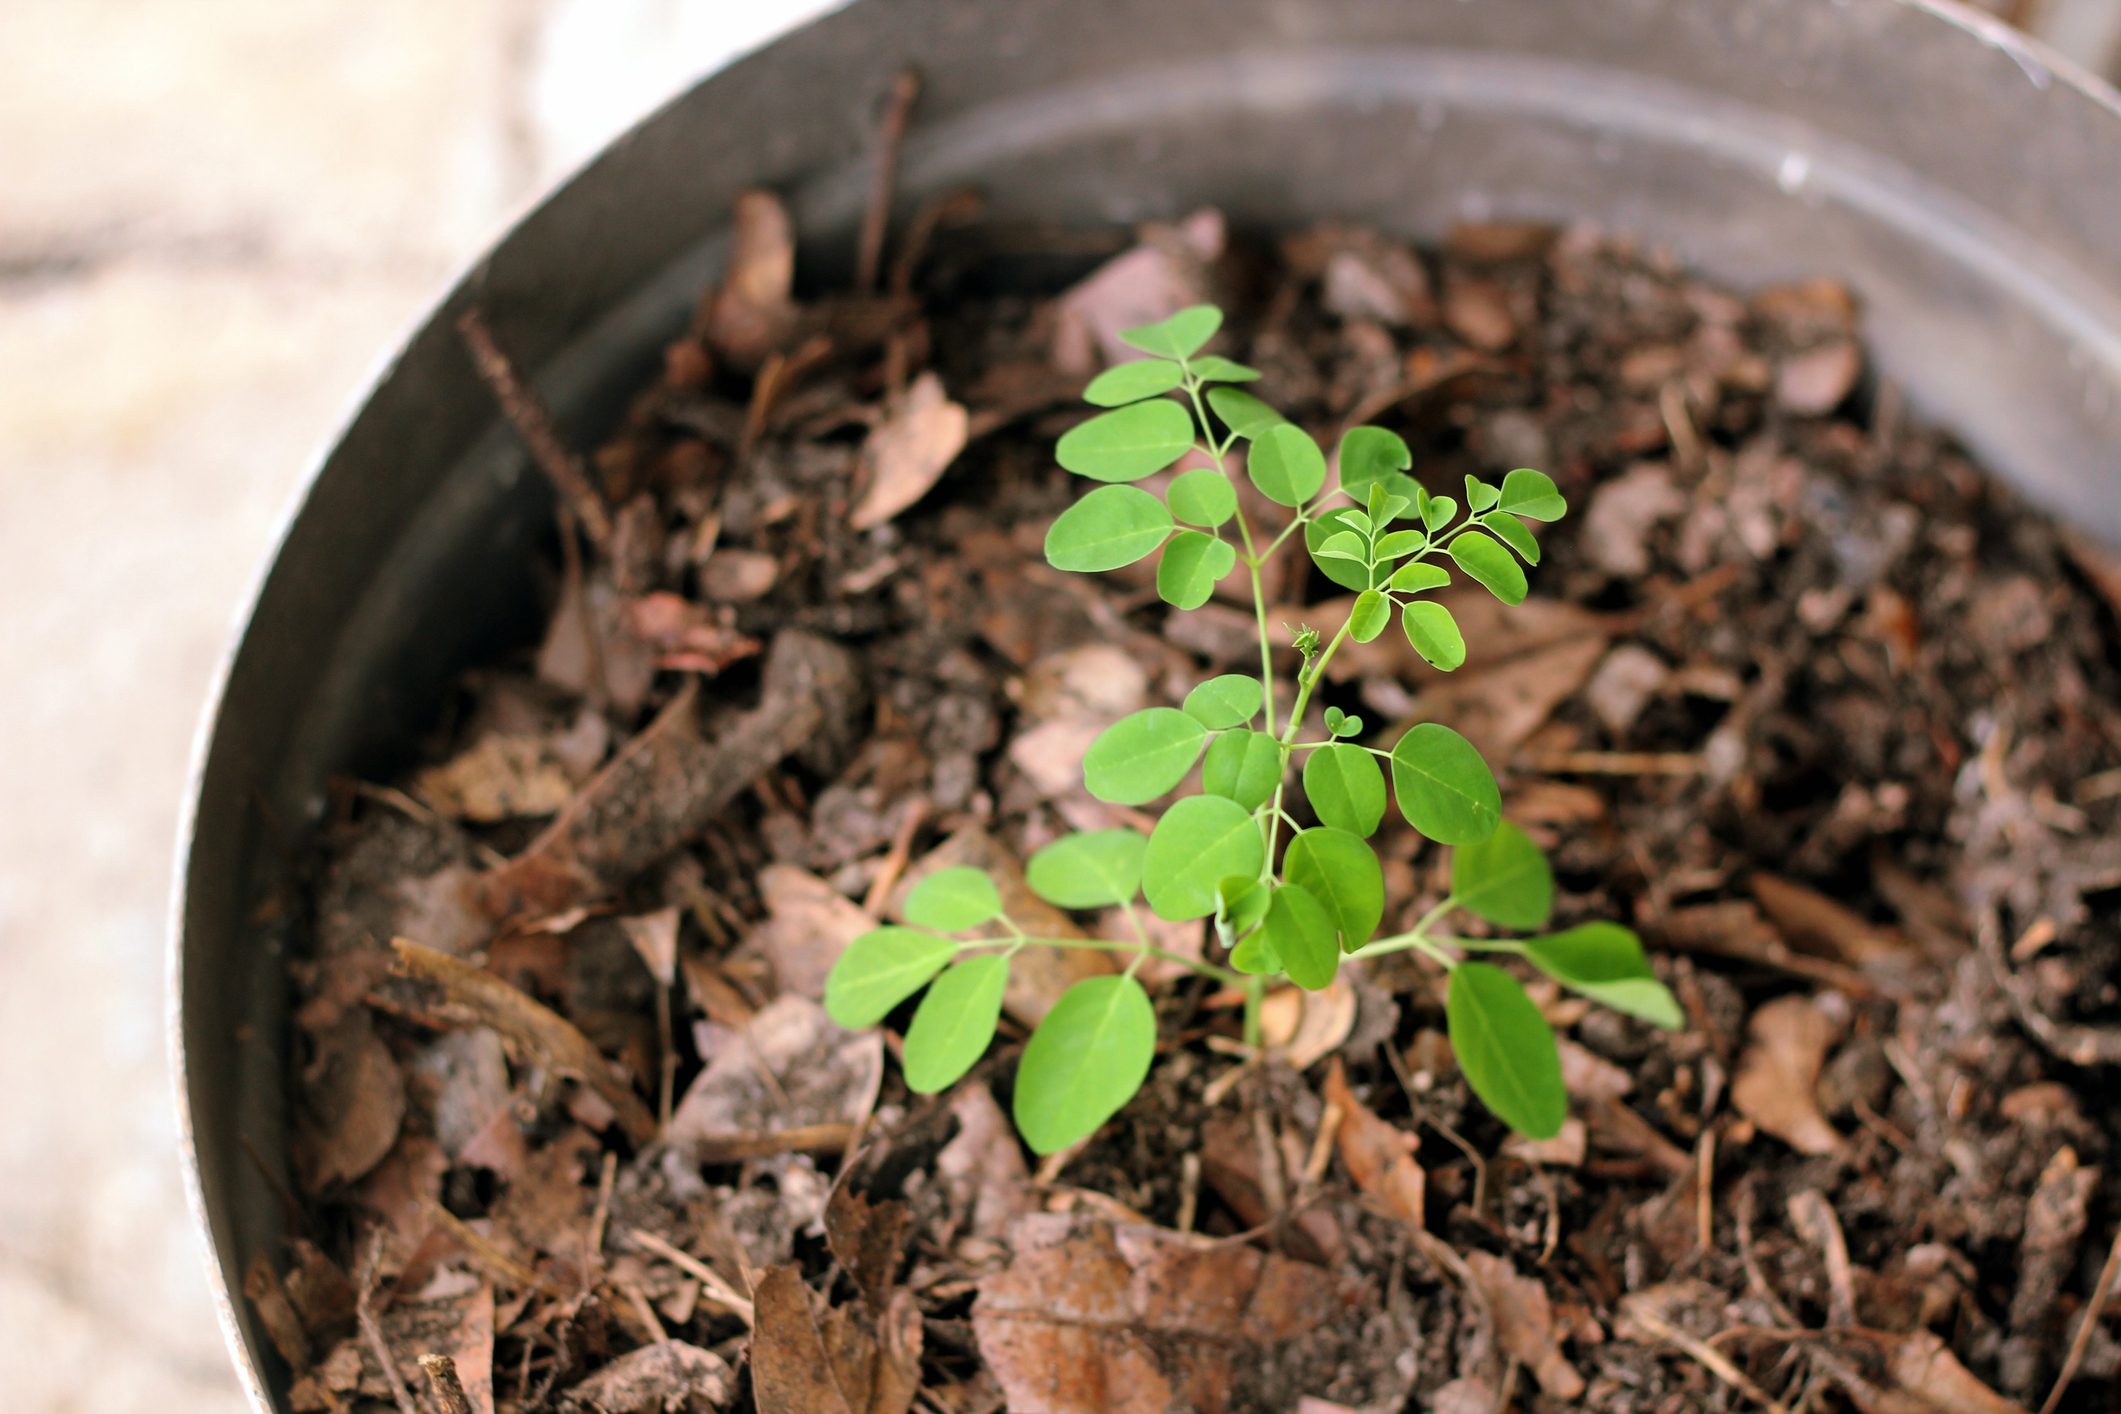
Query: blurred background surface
point(216, 218)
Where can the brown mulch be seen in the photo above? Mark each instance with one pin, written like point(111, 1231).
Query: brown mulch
point(1802, 695)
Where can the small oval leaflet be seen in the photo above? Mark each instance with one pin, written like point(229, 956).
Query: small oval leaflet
point(1343, 874)
point(1128, 444)
point(1368, 618)
point(1301, 931)
point(1193, 561)
point(1515, 534)
point(1286, 465)
point(1504, 879)
point(1436, 512)
point(1086, 1060)
point(1131, 382)
point(1346, 788)
point(1434, 634)
point(1230, 700)
point(1605, 962)
point(1110, 527)
point(1244, 766)
point(1322, 528)
point(1505, 1049)
point(1243, 413)
point(1531, 494)
point(1375, 456)
point(952, 900)
point(1091, 870)
point(954, 1024)
point(1202, 496)
point(1445, 789)
point(1201, 841)
point(1483, 557)
point(1214, 368)
point(879, 970)
point(1142, 755)
point(1180, 336)
point(1240, 903)
point(1414, 578)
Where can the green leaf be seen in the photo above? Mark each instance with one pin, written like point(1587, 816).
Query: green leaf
point(1180, 336)
point(1324, 527)
point(1532, 494)
point(1482, 557)
point(1089, 870)
point(1400, 543)
point(1342, 873)
point(1142, 755)
point(1301, 931)
point(1128, 444)
point(952, 900)
point(1339, 723)
point(1255, 955)
point(1244, 766)
point(1434, 634)
point(1368, 618)
point(1202, 496)
point(1479, 495)
point(1214, 368)
point(1110, 527)
point(1515, 534)
point(1437, 511)
point(1087, 1058)
point(1346, 788)
point(1445, 790)
point(1243, 413)
point(879, 970)
point(1192, 563)
point(1230, 700)
point(1131, 382)
point(1345, 545)
point(955, 1022)
point(1201, 841)
point(1372, 456)
point(1420, 575)
point(1605, 962)
point(1506, 1049)
point(1240, 903)
point(1286, 465)
point(1504, 879)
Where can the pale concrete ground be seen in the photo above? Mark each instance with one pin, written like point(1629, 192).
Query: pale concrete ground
point(215, 217)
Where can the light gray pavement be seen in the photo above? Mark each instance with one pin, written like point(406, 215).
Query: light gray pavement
point(215, 218)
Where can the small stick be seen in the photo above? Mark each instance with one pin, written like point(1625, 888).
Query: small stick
point(1705, 1191)
point(535, 426)
point(1322, 1144)
point(890, 138)
point(532, 1025)
point(2082, 1340)
point(718, 1291)
point(1708, 1357)
point(372, 1330)
point(448, 1389)
point(893, 867)
point(483, 1252)
point(802, 1139)
point(1188, 1191)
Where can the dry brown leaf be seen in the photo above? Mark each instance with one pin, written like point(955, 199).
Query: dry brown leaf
point(460, 1080)
point(808, 925)
point(1096, 1318)
point(804, 1361)
point(1778, 1075)
point(1564, 1150)
point(752, 311)
point(738, 576)
point(1306, 1027)
point(1809, 918)
point(655, 938)
point(1499, 708)
point(1622, 513)
point(458, 1325)
point(982, 1167)
point(1927, 1371)
point(790, 1068)
point(1524, 1323)
point(668, 1378)
point(907, 452)
point(352, 1102)
point(1379, 1156)
point(496, 778)
point(1815, 382)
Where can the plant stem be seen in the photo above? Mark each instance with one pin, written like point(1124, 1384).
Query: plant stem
point(1206, 969)
point(1255, 994)
point(1309, 680)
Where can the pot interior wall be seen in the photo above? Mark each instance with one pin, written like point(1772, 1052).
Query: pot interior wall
point(1988, 265)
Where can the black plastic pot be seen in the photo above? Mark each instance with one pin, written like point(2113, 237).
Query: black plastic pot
point(1966, 184)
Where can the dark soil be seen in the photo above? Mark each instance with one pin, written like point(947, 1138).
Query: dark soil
point(1802, 695)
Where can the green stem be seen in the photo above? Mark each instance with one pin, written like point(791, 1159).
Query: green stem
point(1206, 969)
point(1255, 994)
point(1309, 680)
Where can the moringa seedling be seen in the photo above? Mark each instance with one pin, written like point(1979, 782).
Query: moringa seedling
point(1294, 905)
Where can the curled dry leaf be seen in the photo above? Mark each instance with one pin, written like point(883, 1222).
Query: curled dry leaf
point(1778, 1075)
point(751, 312)
point(668, 1378)
point(1091, 1317)
point(835, 1361)
point(908, 451)
point(1306, 1027)
point(1379, 1155)
point(788, 1069)
point(655, 938)
point(1524, 1323)
point(496, 778)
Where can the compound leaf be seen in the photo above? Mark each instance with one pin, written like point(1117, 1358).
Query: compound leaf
point(1142, 755)
point(1506, 1049)
point(952, 900)
point(1201, 841)
point(1090, 870)
point(1504, 879)
point(1088, 1056)
point(955, 1022)
point(1131, 382)
point(880, 969)
point(1445, 789)
point(1110, 527)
